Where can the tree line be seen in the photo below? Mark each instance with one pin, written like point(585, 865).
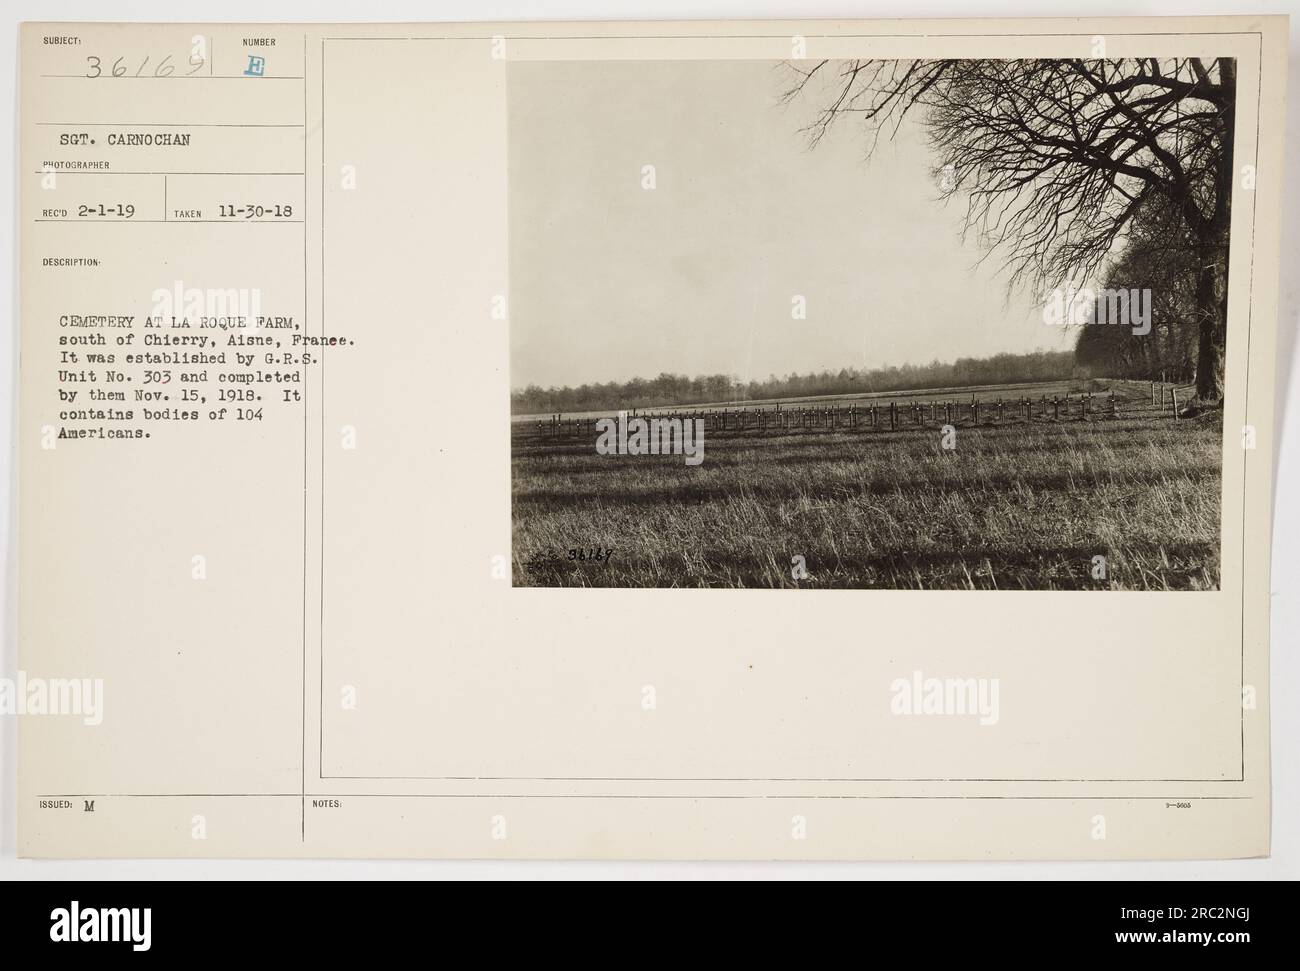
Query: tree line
point(1161, 258)
point(679, 389)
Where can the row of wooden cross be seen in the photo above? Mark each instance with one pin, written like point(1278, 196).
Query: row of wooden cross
point(875, 415)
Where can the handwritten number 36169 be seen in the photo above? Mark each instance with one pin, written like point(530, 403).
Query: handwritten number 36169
point(164, 68)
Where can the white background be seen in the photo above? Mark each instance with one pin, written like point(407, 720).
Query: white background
point(1285, 861)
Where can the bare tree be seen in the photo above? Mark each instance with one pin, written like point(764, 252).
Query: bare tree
point(1056, 158)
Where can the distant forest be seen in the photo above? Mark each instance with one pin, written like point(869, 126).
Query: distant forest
point(678, 389)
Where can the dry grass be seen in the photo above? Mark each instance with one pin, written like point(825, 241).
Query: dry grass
point(1016, 505)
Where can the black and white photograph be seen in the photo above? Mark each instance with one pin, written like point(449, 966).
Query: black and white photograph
point(953, 324)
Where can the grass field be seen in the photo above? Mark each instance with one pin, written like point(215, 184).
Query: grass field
point(1015, 505)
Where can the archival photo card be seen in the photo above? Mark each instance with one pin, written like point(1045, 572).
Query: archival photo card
point(653, 441)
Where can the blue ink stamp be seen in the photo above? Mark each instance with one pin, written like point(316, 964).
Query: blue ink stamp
point(256, 66)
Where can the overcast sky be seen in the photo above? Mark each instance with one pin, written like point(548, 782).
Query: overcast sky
point(609, 281)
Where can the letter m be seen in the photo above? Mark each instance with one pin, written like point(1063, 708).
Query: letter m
point(662, 432)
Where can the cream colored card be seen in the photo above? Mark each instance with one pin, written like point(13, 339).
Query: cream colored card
point(824, 440)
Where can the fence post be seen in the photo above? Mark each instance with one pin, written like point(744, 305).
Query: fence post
point(1173, 399)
